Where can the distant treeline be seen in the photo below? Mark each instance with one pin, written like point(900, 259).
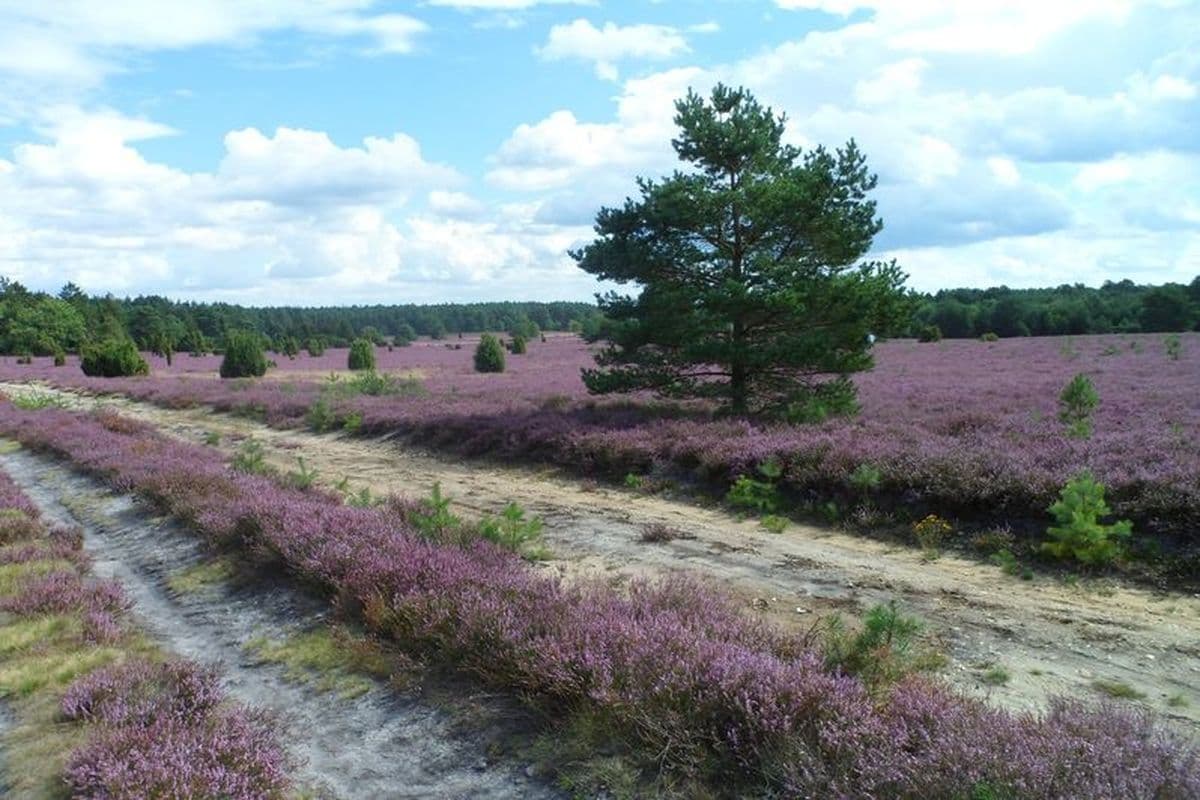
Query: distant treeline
point(38, 323)
point(1120, 307)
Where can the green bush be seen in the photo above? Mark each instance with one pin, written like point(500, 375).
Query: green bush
point(836, 398)
point(929, 333)
point(1173, 346)
point(518, 345)
point(989, 336)
point(362, 355)
point(289, 346)
point(1076, 404)
point(315, 347)
point(112, 358)
point(244, 356)
point(1079, 534)
point(512, 530)
point(489, 355)
point(60, 358)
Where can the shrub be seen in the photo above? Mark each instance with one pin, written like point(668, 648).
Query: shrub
point(511, 530)
point(881, 653)
point(836, 398)
point(112, 358)
point(1076, 404)
point(320, 416)
point(315, 347)
point(289, 346)
point(989, 336)
point(929, 333)
point(362, 355)
point(518, 345)
point(1079, 533)
point(931, 532)
point(774, 523)
point(489, 355)
point(244, 357)
point(60, 358)
point(1173, 346)
point(755, 495)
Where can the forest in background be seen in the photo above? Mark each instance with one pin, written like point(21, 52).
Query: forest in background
point(40, 323)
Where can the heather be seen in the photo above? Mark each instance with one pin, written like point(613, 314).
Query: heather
point(671, 666)
point(143, 725)
point(963, 429)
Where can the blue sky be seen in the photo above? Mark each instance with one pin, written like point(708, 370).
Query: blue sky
point(273, 151)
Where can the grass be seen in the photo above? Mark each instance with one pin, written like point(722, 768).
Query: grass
point(996, 675)
point(202, 577)
point(328, 659)
point(1117, 690)
point(13, 576)
point(1178, 701)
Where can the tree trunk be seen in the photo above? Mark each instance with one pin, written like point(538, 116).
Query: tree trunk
point(738, 375)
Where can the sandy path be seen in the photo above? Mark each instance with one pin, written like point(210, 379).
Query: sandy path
point(1051, 638)
point(377, 745)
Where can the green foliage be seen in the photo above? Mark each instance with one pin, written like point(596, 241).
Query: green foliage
point(352, 422)
point(112, 358)
point(1076, 404)
point(244, 357)
point(35, 401)
point(320, 416)
point(756, 495)
point(512, 530)
point(251, 459)
point(1006, 561)
point(39, 325)
point(1173, 346)
point(302, 477)
point(434, 520)
point(929, 333)
point(820, 401)
point(405, 335)
point(747, 264)
point(289, 346)
point(1118, 690)
point(518, 346)
point(633, 480)
point(1079, 534)
point(774, 523)
point(489, 355)
point(60, 358)
point(866, 478)
point(883, 652)
point(212, 438)
point(362, 355)
point(315, 347)
point(996, 675)
point(988, 336)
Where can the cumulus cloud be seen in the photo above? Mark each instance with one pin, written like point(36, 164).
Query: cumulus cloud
point(610, 44)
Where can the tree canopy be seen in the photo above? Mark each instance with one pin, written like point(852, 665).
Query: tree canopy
point(752, 288)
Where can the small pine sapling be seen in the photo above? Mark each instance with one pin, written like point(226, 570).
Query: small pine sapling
point(1079, 534)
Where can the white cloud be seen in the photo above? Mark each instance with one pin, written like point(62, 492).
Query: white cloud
point(1172, 87)
point(80, 41)
point(610, 44)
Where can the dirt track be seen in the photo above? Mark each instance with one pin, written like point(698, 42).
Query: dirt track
point(1051, 638)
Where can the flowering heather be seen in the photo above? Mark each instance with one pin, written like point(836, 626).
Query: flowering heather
point(958, 427)
point(156, 730)
point(673, 665)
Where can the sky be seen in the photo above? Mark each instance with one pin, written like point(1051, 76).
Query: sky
point(352, 151)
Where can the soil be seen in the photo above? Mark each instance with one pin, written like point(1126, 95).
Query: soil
point(1051, 637)
point(379, 745)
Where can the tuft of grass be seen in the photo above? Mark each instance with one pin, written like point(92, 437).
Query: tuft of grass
point(1118, 690)
point(212, 438)
point(774, 523)
point(36, 401)
point(659, 532)
point(1178, 701)
point(328, 659)
point(201, 577)
point(996, 675)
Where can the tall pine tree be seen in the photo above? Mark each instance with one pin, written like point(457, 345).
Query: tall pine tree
point(752, 290)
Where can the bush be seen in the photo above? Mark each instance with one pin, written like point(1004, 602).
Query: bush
point(836, 398)
point(929, 333)
point(989, 336)
point(489, 355)
point(517, 347)
point(315, 348)
point(60, 358)
point(244, 356)
point(289, 346)
point(362, 355)
point(1079, 534)
point(112, 358)
point(1076, 404)
point(1173, 346)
